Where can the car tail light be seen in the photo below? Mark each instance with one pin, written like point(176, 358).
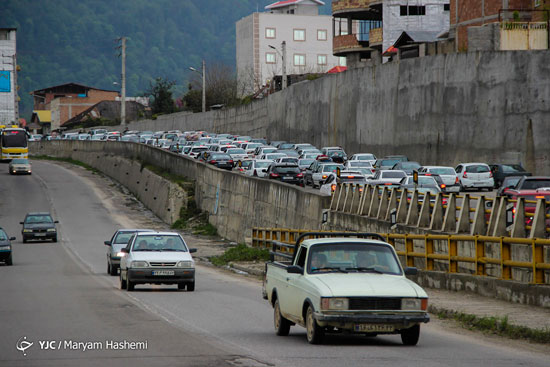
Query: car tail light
point(324, 176)
point(456, 180)
point(230, 161)
point(273, 175)
point(212, 162)
point(443, 186)
point(539, 197)
point(333, 187)
point(514, 211)
point(351, 176)
point(360, 189)
point(373, 170)
point(490, 174)
point(464, 175)
point(300, 175)
point(427, 174)
point(444, 201)
point(388, 183)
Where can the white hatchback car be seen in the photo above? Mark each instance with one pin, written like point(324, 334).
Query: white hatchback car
point(447, 174)
point(258, 167)
point(475, 176)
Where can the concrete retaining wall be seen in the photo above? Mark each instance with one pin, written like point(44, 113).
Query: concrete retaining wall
point(235, 202)
point(443, 109)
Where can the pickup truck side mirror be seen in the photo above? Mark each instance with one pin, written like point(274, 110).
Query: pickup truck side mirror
point(125, 250)
point(191, 250)
point(107, 243)
point(20, 222)
point(411, 271)
point(295, 269)
point(56, 221)
point(12, 238)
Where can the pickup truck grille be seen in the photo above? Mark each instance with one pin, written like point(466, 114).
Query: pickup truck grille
point(162, 264)
point(373, 303)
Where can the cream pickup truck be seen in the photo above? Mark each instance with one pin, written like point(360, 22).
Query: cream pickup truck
point(350, 283)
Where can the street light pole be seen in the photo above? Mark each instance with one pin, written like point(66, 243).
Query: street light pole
point(203, 83)
point(123, 87)
point(283, 60)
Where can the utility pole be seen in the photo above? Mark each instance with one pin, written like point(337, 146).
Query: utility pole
point(203, 86)
point(283, 46)
point(15, 88)
point(123, 87)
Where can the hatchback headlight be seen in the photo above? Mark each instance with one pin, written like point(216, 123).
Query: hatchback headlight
point(414, 304)
point(334, 303)
point(186, 264)
point(51, 229)
point(27, 230)
point(139, 264)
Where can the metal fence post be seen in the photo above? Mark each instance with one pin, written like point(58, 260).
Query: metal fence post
point(429, 247)
point(538, 257)
point(453, 253)
point(505, 256)
point(480, 257)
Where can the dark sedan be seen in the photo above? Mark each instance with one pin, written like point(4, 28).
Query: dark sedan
point(289, 173)
point(39, 226)
point(501, 171)
point(220, 160)
point(5, 247)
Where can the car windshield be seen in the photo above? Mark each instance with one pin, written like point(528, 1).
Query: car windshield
point(396, 174)
point(159, 243)
point(352, 257)
point(262, 164)
point(443, 171)
point(331, 167)
point(512, 168)
point(286, 170)
point(20, 161)
point(236, 151)
point(3, 236)
point(289, 160)
point(359, 164)
point(510, 181)
point(269, 150)
point(305, 162)
point(423, 180)
point(409, 165)
point(38, 219)
point(477, 169)
point(389, 162)
point(220, 156)
point(123, 237)
point(366, 157)
point(202, 149)
point(275, 156)
point(286, 146)
point(535, 184)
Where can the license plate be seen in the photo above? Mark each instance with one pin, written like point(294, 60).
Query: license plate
point(163, 272)
point(287, 178)
point(40, 234)
point(370, 328)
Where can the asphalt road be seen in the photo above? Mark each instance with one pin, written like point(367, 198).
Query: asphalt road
point(62, 292)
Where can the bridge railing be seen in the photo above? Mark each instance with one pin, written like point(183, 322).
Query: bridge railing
point(466, 254)
point(452, 213)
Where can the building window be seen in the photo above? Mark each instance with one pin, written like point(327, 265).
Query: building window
point(270, 58)
point(321, 59)
point(299, 35)
point(412, 10)
point(344, 32)
point(342, 61)
point(299, 60)
point(270, 33)
point(446, 7)
point(4, 35)
point(321, 34)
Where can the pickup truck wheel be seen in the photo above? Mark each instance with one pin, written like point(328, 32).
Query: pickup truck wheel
point(113, 270)
point(122, 282)
point(24, 240)
point(181, 286)
point(282, 325)
point(190, 287)
point(130, 285)
point(315, 333)
point(9, 261)
point(411, 335)
point(54, 239)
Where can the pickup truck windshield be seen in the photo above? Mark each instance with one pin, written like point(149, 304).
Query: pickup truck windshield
point(159, 243)
point(352, 257)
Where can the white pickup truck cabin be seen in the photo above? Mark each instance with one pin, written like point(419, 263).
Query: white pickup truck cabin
point(346, 284)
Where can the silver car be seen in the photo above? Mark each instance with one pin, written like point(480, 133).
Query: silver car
point(118, 241)
point(20, 166)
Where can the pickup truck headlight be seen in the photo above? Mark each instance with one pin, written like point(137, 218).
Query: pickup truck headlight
point(139, 264)
point(27, 230)
point(6, 247)
point(51, 229)
point(186, 264)
point(334, 303)
point(414, 304)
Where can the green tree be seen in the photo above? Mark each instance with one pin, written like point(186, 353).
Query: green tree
point(161, 95)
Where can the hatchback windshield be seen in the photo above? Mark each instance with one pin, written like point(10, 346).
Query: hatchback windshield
point(286, 170)
point(512, 168)
point(236, 151)
point(389, 162)
point(3, 236)
point(477, 169)
point(159, 243)
point(331, 167)
point(20, 161)
point(352, 257)
point(443, 171)
point(262, 164)
point(396, 174)
point(535, 184)
point(38, 219)
point(123, 237)
point(359, 164)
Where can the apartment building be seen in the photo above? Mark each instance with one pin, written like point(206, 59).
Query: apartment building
point(8, 77)
point(307, 35)
point(365, 29)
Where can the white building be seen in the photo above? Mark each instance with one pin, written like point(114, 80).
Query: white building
point(8, 81)
point(308, 37)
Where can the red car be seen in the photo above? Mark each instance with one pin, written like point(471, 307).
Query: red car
point(532, 189)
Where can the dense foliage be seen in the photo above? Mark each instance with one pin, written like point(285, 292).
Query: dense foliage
point(62, 41)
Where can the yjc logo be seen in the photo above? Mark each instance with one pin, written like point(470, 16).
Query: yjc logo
point(22, 345)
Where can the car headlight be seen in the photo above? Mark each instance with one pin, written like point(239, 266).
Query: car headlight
point(334, 303)
point(27, 230)
point(414, 304)
point(139, 264)
point(186, 264)
point(51, 229)
point(6, 247)
point(120, 254)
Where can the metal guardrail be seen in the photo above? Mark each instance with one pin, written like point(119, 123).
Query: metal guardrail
point(440, 212)
point(420, 251)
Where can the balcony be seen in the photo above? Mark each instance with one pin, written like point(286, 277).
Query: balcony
point(357, 9)
point(376, 37)
point(342, 45)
